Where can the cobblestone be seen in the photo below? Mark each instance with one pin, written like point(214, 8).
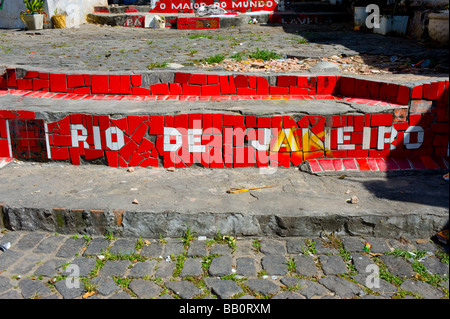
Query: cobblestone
point(48, 268)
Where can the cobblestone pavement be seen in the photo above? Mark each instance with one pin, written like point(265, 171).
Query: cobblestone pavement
point(117, 49)
point(47, 265)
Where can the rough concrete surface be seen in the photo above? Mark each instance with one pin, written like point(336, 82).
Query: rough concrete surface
point(90, 199)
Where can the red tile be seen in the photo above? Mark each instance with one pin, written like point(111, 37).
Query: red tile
point(74, 155)
point(75, 80)
point(232, 85)
point(241, 81)
point(156, 125)
point(12, 79)
point(382, 166)
point(25, 114)
point(327, 85)
point(326, 164)
point(58, 83)
point(381, 120)
point(217, 121)
point(31, 75)
point(391, 165)
point(296, 158)
point(159, 89)
point(125, 84)
point(264, 122)
point(140, 91)
point(275, 90)
point(250, 121)
point(252, 82)
point(25, 84)
point(378, 154)
point(337, 163)
point(114, 84)
point(59, 153)
point(358, 153)
point(224, 85)
point(233, 120)
point(262, 86)
point(136, 80)
point(440, 91)
point(245, 91)
point(287, 80)
point(433, 94)
point(417, 92)
point(175, 89)
point(84, 90)
point(339, 120)
point(195, 120)
point(93, 154)
point(428, 162)
point(347, 86)
point(208, 90)
point(44, 76)
point(200, 79)
point(349, 164)
point(191, 89)
point(213, 79)
point(403, 163)
point(168, 120)
point(182, 78)
point(100, 84)
point(315, 167)
point(113, 158)
point(127, 150)
point(180, 121)
point(294, 90)
point(372, 164)
point(426, 90)
point(152, 162)
point(363, 164)
point(403, 95)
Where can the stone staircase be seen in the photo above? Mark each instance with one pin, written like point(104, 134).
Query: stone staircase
point(238, 13)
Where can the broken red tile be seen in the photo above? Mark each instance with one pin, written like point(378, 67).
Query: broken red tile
point(136, 79)
point(200, 79)
point(182, 78)
point(140, 91)
point(31, 75)
point(232, 85)
point(159, 89)
point(75, 80)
